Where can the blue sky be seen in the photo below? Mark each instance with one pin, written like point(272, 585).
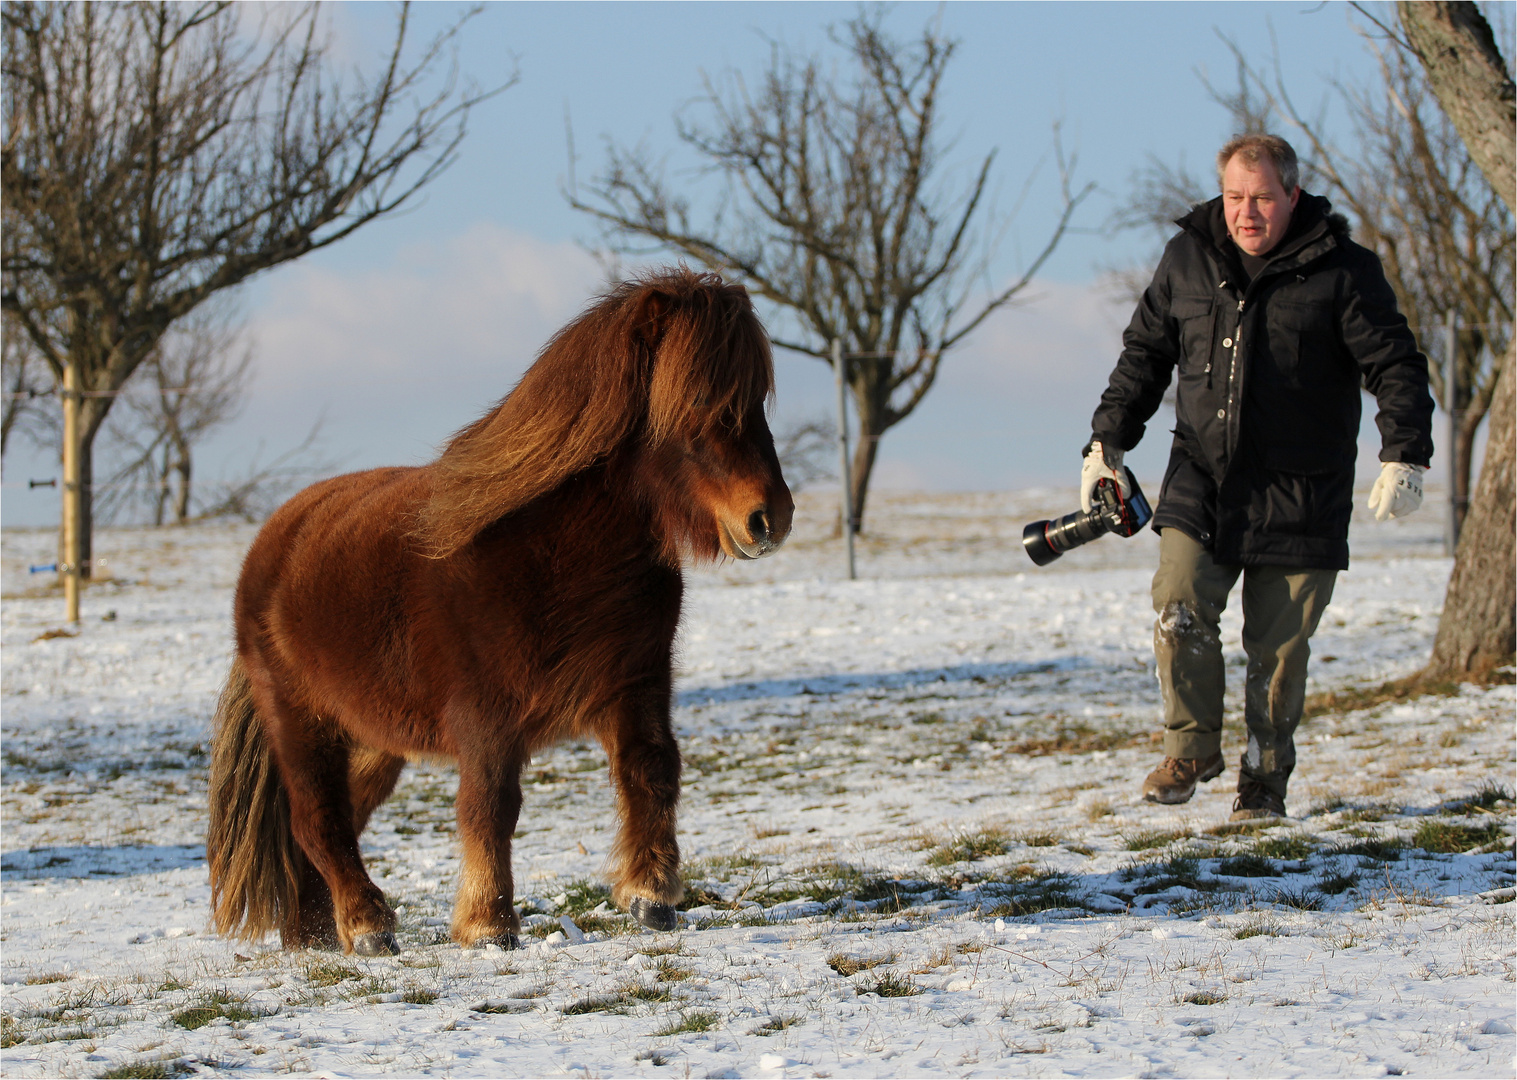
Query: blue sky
point(410, 329)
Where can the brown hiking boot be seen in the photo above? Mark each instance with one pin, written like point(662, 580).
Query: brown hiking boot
point(1175, 780)
point(1256, 801)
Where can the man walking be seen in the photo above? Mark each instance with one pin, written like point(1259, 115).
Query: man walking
point(1270, 319)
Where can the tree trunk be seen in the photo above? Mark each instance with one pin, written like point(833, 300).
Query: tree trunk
point(864, 455)
point(1466, 71)
point(1464, 460)
point(1476, 632)
point(161, 493)
point(182, 496)
point(871, 398)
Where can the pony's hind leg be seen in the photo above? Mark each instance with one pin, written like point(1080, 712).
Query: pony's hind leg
point(315, 763)
point(312, 923)
point(489, 802)
point(645, 770)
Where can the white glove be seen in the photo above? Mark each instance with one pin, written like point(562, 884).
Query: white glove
point(1397, 491)
point(1100, 463)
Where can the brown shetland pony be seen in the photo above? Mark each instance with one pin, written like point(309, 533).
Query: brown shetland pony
point(522, 589)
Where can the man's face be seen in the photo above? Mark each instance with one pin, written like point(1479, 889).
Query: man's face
point(1257, 206)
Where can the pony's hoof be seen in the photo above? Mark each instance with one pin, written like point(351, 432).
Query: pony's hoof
point(504, 941)
point(653, 914)
point(378, 943)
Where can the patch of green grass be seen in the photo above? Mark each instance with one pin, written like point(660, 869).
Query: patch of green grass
point(10, 1032)
point(1242, 828)
point(1306, 898)
point(776, 1024)
point(846, 965)
point(1334, 884)
point(889, 984)
point(669, 971)
point(213, 1006)
point(1374, 848)
point(1258, 926)
point(671, 948)
point(330, 973)
point(147, 1070)
point(1178, 870)
point(1372, 812)
point(596, 1003)
point(699, 1020)
point(1289, 846)
point(647, 992)
point(1038, 839)
point(1148, 839)
point(415, 995)
point(698, 896)
point(1045, 893)
point(1248, 866)
point(1451, 837)
point(1204, 997)
point(610, 925)
point(1487, 796)
point(583, 896)
point(970, 847)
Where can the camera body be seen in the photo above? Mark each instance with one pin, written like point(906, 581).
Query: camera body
point(1045, 541)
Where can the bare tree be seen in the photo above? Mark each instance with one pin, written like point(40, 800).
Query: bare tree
point(256, 492)
point(1477, 632)
point(194, 381)
point(834, 211)
point(807, 451)
point(26, 381)
point(157, 153)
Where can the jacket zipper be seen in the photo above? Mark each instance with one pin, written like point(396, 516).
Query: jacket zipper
point(1231, 411)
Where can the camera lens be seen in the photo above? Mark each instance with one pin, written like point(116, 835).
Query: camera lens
point(1035, 540)
point(1045, 541)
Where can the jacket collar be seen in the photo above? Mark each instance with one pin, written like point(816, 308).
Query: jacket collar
point(1314, 229)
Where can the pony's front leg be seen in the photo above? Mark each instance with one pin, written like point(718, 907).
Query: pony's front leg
point(645, 769)
point(489, 802)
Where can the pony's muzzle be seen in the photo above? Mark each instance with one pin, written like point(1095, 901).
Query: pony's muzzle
point(766, 531)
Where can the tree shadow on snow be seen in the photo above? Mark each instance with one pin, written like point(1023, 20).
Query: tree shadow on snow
point(83, 861)
point(821, 685)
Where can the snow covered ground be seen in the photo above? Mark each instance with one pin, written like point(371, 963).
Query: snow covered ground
point(911, 827)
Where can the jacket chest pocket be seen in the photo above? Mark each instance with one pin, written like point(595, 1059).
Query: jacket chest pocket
point(1194, 318)
point(1303, 340)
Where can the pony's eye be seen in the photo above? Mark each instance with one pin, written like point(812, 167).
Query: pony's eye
point(701, 401)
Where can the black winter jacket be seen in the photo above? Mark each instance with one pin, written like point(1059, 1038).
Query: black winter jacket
point(1267, 404)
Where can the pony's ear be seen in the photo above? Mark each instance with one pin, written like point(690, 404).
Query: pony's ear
point(652, 316)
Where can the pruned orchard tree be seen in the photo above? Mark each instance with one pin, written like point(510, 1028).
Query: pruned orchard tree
point(836, 213)
point(195, 380)
point(1477, 631)
point(157, 153)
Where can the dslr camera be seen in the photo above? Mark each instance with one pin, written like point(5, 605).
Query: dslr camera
point(1045, 541)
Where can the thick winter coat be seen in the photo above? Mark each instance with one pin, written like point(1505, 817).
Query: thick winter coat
point(1268, 403)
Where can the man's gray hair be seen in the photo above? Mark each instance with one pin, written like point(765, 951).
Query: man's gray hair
point(1257, 148)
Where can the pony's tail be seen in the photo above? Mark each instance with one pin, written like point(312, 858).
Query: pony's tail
point(254, 860)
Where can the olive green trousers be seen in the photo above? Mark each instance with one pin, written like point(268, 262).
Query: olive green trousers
point(1281, 609)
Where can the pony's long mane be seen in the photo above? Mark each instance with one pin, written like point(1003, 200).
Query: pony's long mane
point(669, 352)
